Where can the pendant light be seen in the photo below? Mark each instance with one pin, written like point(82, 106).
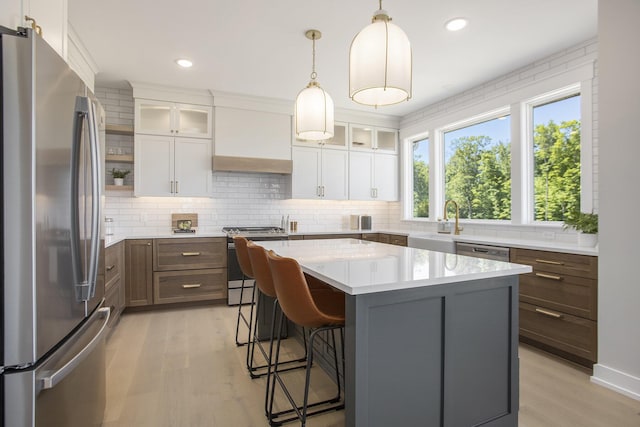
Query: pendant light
point(380, 63)
point(314, 106)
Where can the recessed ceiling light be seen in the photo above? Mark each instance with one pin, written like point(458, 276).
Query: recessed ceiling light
point(456, 24)
point(184, 63)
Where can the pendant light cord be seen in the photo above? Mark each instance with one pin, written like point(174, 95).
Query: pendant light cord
point(313, 60)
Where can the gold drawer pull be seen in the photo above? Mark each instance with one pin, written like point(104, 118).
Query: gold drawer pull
point(549, 313)
point(544, 261)
point(193, 286)
point(548, 276)
point(111, 267)
point(190, 253)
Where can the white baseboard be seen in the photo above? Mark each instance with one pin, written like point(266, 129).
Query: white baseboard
point(616, 380)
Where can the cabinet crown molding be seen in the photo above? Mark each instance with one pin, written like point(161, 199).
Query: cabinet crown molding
point(171, 94)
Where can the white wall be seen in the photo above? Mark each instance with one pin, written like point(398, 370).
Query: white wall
point(619, 283)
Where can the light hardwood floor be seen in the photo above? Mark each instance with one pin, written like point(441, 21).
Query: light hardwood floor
point(181, 368)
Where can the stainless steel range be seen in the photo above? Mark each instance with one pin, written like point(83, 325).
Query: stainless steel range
point(234, 272)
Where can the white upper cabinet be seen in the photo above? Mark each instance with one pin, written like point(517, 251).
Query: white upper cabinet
point(52, 17)
point(338, 141)
point(370, 138)
point(320, 173)
point(173, 119)
point(169, 166)
point(373, 176)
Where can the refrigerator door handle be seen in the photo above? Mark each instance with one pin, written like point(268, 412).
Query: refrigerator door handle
point(52, 379)
point(96, 196)
point(85, 276)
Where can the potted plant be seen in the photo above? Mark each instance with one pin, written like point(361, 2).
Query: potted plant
point(119, 175)
point(587, 226)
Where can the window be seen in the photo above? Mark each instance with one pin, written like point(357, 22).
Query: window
point(421, 178)
point(556, 158)
point(477, 168)
point(524, 157)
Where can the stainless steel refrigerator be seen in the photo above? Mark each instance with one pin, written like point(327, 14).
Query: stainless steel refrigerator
point(52, 285)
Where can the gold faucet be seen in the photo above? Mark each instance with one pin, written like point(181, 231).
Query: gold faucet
point(457, 228)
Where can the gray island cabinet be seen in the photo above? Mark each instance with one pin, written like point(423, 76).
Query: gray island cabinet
point(431, 338)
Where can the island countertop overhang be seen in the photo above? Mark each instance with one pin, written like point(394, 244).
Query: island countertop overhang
point(359, 267)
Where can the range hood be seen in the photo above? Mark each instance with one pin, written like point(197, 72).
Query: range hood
point(252, 164)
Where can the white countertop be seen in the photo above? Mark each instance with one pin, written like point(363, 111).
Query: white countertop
point(359, 267)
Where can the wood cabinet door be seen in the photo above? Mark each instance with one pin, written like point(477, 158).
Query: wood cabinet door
point(139, 272)
point(192, 167)
point(153, 170)
point(114, 276)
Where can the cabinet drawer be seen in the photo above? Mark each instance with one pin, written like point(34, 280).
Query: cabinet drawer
point(397, 240)
point(113, 264)
point(183, 286)
point(189, 253)
point(555, 262)
point(112, 300)
point(564, 332)
point(372, 237)
point(568, 294)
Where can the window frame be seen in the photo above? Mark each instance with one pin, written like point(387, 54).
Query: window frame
point(528, 193)
point(481, 118)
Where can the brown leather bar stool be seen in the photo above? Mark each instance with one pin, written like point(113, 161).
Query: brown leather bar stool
point(264, 282)
point(319, 310)
point(247, 273)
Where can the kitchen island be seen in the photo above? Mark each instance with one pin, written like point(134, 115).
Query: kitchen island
point(431, 339)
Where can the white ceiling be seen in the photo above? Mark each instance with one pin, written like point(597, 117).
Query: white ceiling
point(258, 47)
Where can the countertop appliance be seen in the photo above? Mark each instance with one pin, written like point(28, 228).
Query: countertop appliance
point(483, 251)
point(52, 367)
point(234, 273)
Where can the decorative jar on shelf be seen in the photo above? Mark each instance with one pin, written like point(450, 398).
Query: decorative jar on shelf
point(118, 181)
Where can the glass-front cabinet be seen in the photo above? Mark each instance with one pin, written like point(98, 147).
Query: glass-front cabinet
point(172, 119)
point(367, 138)
point(338, 141)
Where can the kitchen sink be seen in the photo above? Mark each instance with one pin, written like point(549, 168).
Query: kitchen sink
point(433, 242)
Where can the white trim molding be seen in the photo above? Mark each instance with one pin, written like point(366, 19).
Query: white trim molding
point(615, 380)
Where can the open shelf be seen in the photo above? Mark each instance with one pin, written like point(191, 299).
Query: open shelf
point(119, 130)
point(118, 187)
point(119, 158)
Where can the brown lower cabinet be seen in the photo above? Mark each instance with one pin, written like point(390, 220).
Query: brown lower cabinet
point(114, 288)
point(559, 303)
point(175, 270)
point(139, 272)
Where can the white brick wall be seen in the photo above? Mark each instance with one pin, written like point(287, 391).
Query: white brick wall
point(260, 199)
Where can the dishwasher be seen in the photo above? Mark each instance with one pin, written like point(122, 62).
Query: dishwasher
point(483, 251)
